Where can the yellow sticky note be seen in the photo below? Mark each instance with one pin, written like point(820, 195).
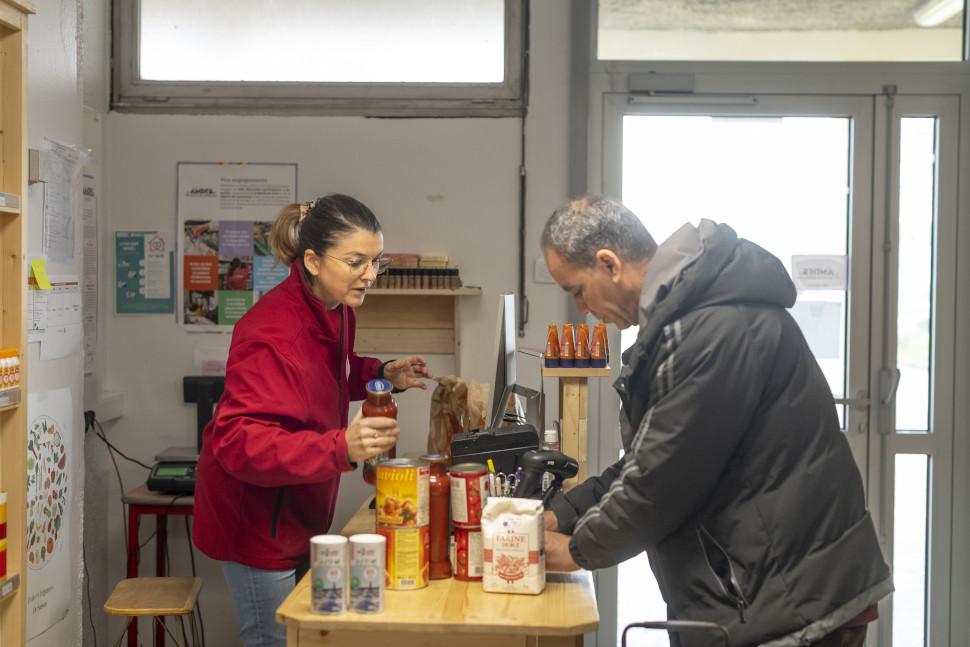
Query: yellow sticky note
point(39, 266)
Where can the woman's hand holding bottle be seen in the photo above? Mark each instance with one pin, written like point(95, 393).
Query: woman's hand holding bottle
point(370, 436)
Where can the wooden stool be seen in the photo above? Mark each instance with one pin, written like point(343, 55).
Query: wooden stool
point(158, 597)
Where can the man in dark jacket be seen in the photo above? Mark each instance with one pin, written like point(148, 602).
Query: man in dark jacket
point(736, 478)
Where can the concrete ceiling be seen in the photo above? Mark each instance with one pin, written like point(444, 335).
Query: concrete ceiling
point(761, 15)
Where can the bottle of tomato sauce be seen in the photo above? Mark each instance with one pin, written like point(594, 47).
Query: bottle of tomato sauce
point(379, 404)
point(440, 487)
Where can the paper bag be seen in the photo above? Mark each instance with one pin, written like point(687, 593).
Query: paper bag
point(455, 407)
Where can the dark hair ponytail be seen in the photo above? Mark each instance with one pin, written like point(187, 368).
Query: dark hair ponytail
point(327, 219)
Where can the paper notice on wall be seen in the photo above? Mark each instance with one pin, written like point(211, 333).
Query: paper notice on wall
point(89, 280)
point(36, 312)
point(821, 323)
point(60, 170)
point(64, 329)
point(50, 523)
point(819, 272)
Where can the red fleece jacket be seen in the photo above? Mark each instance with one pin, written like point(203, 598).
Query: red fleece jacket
point(274, 451)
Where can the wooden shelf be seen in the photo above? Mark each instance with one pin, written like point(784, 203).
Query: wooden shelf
point(9, 585)
point(9, 399)
point(13, 318)
point(577, 372)
point(411, 320)
point(426, 292)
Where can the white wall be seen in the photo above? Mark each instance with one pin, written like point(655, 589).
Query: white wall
point(54, 111)
point(437, 185)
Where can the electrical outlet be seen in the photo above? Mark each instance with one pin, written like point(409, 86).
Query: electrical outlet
point(540, 273)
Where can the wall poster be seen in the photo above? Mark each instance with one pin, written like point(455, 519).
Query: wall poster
point(225, 211)
point(143, 272)
point(50, 520)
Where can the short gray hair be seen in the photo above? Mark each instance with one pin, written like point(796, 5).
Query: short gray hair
point(590, 223)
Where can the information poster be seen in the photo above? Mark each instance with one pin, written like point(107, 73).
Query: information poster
point(225, 212)
point(144, 273)
point(50, 521)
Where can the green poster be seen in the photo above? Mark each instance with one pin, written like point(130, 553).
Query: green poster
point(233, 304)
point(144, 273)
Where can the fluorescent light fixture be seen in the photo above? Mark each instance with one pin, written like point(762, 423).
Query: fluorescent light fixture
point(934, 12)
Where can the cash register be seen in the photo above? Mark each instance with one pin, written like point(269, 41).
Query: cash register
point(174, 471)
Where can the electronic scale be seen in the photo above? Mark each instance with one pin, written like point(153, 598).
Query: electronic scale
point(174, 471)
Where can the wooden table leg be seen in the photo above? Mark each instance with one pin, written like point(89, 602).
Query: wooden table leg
point(560, 641)
point(161, 543)
point(133, 517)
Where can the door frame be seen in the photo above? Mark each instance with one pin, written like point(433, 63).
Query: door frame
point(866, 424)
point(942, 616)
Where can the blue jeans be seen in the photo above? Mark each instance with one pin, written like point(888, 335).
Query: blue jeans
point(256, 594)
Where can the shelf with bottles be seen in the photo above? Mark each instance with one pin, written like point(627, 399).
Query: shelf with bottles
point(577, 372)
point(426, 292)
point(9, 585)
point(420, 278)
point(9, 398)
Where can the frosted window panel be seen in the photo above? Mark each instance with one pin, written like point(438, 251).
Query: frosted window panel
point(910, 559)
point(797, 30)
point(323, 41)
point(917, 216)
point(782, 183)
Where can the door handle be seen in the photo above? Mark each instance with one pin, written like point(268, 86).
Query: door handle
point(888, 383)
point(860, 400)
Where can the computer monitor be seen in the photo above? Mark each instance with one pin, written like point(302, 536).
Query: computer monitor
point(504, 354)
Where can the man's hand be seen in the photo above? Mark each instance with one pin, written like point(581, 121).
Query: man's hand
point(550, 521)
point(557, 553)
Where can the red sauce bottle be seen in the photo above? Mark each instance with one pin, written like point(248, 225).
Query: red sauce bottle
point(597, 355)
point(440, 486)
point(379, 404)
point(551, 355)
point(582, 346)
point(567, 347)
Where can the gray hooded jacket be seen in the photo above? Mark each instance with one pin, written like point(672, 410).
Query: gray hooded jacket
point(736, 478)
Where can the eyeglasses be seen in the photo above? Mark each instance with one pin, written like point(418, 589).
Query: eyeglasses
point(359, 267)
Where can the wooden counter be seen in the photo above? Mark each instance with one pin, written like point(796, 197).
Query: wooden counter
point(431, 617)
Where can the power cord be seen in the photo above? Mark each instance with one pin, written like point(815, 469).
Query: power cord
point(198, 604)
point(87, 582)
point(91, 422)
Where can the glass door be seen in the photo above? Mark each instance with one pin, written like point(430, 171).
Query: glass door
point(792, 174)
point(914, 332)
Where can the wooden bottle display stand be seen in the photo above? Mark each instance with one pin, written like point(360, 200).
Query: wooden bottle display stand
point(573, 412)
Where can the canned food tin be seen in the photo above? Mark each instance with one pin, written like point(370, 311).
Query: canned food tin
point(328, 567)
point(469, 491)
point(466, 553)
point(402, 493)
point(407, 565)
point(367, 555)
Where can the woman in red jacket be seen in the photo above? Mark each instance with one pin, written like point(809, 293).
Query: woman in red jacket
point(280, 438)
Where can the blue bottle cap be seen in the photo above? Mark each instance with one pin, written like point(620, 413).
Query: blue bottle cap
point(379, 386)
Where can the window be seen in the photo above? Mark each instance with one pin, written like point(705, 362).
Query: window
point(802, 30)
point(395, 57)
